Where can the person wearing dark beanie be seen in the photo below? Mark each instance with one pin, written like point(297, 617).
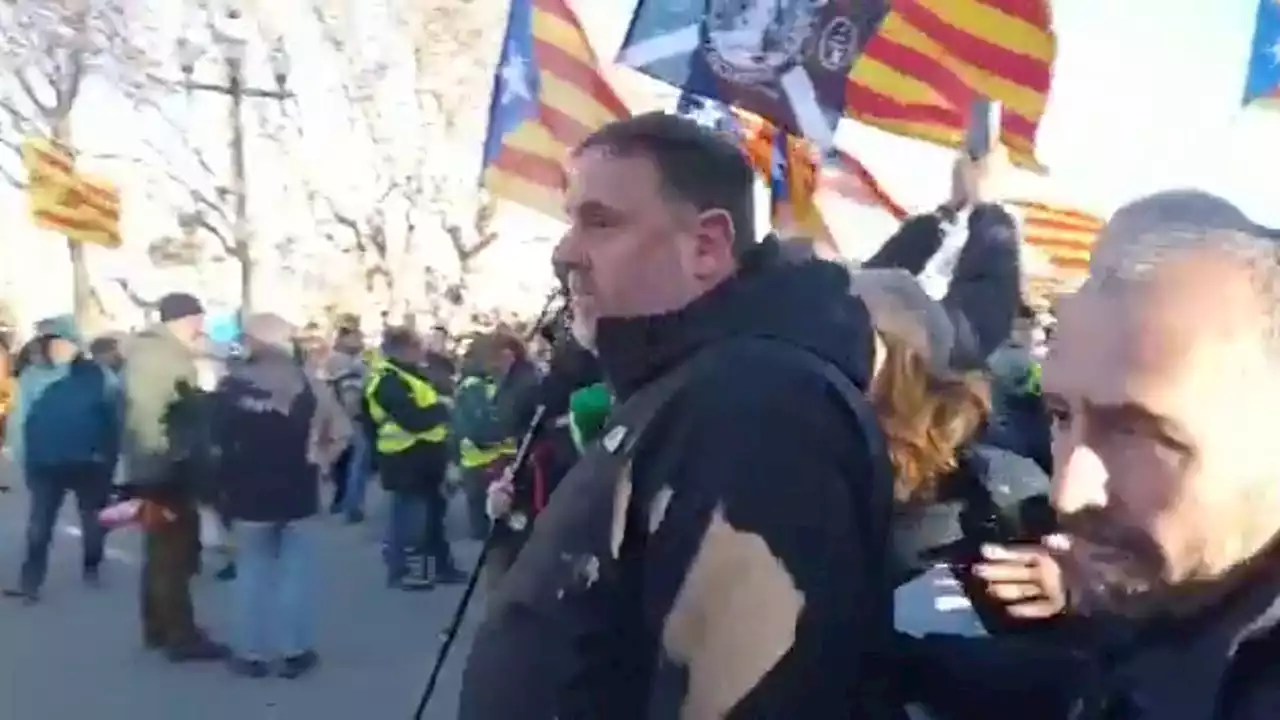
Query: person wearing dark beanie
point(166, 452)
point(179, 306)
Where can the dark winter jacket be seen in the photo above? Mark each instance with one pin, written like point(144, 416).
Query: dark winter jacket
point(755, 465)
point(420, 469)
point(985, 288)
point(263, 412)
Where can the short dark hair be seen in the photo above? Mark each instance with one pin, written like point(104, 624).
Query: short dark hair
point(695, 165)
point(104, 345)
point(399, 338)
point(509, 341)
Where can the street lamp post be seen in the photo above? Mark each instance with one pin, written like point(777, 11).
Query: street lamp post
point(231, 38)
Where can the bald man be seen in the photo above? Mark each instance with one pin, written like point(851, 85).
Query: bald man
point(1164, 384)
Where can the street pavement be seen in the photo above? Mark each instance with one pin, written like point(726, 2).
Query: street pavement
point(79, 654)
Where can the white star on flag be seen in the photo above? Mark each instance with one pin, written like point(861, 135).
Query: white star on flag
point(707, 115)
point(1275, 53)
point(515, 79)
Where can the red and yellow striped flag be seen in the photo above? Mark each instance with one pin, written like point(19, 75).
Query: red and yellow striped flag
point(83, 208)
point(930, 59)
point(548, 96)
point(1064, 236)
point(848, 178)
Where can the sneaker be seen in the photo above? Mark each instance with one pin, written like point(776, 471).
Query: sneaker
point(295, 666)
point(227, 573)
point(451, 576)
point(199, 650)
point(355, 517)
point(28, 597)
point(415, 583)
point(245, 667)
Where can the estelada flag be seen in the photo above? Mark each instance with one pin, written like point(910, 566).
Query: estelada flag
point(548, 96)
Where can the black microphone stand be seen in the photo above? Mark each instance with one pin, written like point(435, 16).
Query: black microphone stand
point(449, 635)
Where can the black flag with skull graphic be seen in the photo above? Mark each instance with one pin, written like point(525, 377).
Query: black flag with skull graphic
point(784, 60)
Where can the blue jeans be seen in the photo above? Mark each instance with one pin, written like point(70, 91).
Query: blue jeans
point(406, 528)
point(49, 486)
point(274, 593)
point(359, 468)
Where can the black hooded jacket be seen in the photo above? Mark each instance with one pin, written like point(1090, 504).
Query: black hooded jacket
point(770, 499)
point(985, 288)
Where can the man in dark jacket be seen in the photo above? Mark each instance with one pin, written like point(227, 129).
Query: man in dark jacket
point(515, 401)
point(1163, 384)
point(166, 451)
point(64, 432)
point(438, 360)
point(721, 550)
point(276, 426)
point(410, 421)
point(967, 255)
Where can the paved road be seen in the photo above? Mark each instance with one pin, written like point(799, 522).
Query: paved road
point(78, 654)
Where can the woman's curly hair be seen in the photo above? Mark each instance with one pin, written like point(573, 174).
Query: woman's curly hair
point(928, 410)
point(926, 416)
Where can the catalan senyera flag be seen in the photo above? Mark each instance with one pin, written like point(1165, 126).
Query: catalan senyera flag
point(1262, 80)
point(930, 59)
point(1064, 236)
point(84, 208)
point(548, 96)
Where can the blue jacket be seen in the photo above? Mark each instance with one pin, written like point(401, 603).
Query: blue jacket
point(67, 413)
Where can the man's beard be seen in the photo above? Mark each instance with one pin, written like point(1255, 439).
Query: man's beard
point(1112, 570)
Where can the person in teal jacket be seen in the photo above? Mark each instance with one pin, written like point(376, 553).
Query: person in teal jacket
point(64, 433)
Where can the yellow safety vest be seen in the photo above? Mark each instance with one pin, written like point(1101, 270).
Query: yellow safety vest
point(471, 456)
point(391, 437)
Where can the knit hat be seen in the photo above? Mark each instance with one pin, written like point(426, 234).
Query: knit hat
point(60, 326)
point(176, 306)
point(270, 329)
point(900, 308)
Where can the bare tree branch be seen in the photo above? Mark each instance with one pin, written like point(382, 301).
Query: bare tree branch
point(46, 110)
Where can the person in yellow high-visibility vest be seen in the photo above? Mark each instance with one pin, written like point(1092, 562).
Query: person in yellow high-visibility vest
point(474, 416)
point(410, 424)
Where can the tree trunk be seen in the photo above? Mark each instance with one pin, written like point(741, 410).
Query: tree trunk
point(246, 279)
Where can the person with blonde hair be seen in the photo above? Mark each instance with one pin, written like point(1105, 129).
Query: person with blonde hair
point(953, 494)
point(949, 487)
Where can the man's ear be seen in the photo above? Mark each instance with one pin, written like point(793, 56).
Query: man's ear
point(714, 235)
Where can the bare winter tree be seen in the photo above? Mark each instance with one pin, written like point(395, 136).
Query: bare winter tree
point(49, 49)
point(454, 49)
point(445, 55)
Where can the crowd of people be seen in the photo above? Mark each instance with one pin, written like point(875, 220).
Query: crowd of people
point(759, 483)
point(162, 427)
point(839, 492)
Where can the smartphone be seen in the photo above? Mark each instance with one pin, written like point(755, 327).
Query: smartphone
point(984, 119)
